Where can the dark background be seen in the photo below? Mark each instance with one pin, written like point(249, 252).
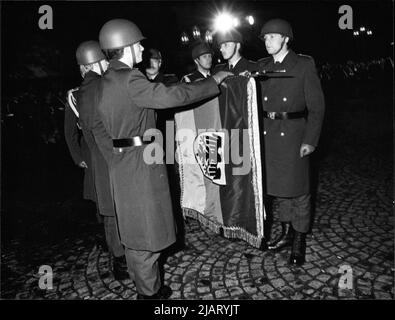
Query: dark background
point(315, 27)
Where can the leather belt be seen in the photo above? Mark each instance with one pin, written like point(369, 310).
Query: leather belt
point(283, 115)
point(136, 141)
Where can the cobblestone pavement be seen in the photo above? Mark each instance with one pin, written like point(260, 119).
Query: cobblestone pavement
point(353, 227)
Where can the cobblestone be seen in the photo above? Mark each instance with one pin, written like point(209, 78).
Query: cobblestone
point(353, 225)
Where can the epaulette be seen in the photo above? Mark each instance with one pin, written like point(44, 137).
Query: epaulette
point(305, 56)
point(265, 59)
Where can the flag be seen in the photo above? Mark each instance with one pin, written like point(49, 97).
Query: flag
point(219, 156)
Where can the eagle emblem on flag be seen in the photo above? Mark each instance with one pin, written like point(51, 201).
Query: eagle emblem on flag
point(209, 153)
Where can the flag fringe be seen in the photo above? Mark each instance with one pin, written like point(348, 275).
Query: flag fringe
point(228, 231)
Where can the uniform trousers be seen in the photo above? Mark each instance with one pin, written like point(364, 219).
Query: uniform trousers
point(297, 211)
point(112, 236)
point(143, 268)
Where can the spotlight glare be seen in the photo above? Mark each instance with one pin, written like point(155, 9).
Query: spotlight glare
point(223, 22)
point(209, 36)
point(250, 20)
point(236, 22)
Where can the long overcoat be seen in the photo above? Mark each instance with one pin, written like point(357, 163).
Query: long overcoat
point(79, 151)
point(298, 89)
point(87, 109)
point(126, 103)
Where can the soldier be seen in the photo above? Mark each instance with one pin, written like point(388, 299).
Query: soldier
point(154, 73)
point(293, 114)
point(78, 148)
point(93, 64)
point(230, 45)
point(141, 193)
point(202, 56)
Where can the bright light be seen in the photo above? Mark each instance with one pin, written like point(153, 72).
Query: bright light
point(236, 22)
point(362, 29)
point(196, 32)
point(356, 33)
point(184, 38)
point(208, 36)
point(250, 20)
point(223, 22)
point(369, 32)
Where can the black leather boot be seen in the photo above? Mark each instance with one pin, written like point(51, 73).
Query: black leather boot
point(284, 240)
point(120, 268)
point(298, 249)
point(164, 293)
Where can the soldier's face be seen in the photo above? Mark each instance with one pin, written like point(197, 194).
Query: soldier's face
point(138, 50)
point(155, 64)
point(228, 49)
point(205, 61)
point(274, 42)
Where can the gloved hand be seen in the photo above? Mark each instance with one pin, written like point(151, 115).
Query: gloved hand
point(83, 164)
point(306, 149)
point(221, 76)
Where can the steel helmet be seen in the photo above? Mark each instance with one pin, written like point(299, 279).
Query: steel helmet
point(277, 26)
point(200, 48)
point(229, 36)
point(89, 52)
point(155, 54)
point(119, 33)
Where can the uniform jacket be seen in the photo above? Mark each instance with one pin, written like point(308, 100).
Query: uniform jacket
point(79, 151)
point(87, 110)
point(242, 65)
point(192, 77)
point(287, 174)
point(164, 115)
point(167, 79)
point(126, 103)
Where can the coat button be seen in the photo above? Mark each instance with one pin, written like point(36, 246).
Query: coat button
point(282, 134)
point(265, 98)
point(264, 132)
point(284, 99)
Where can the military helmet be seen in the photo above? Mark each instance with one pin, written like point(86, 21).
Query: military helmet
point(199, 49)
point(277, 26)
point(229, 36)
point(89, 52)
point(155, 54)
point(119, 33)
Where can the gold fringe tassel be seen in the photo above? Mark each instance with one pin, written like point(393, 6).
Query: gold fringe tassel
point(229, 232)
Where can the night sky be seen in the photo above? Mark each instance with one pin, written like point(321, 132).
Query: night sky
point(315, 27)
